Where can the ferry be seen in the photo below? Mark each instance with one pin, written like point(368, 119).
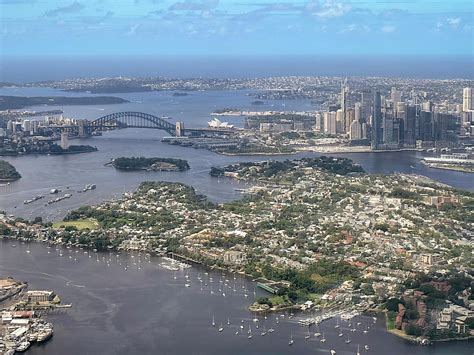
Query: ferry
point(39, 197)
point(89, 187)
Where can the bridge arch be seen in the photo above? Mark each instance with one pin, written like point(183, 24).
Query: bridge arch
point(131, 119)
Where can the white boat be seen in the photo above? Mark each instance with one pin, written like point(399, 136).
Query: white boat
point(221, 328)
point(323, 339)
point(307, 336)
point(291, 340)
point(358, 349)
point(213, 322)
point(46, 334)
point(366, 347)
point(249, 333)
point(337, 323)
point(24, 345)
point(228, 321)
point(264, 332)
point(333, 352)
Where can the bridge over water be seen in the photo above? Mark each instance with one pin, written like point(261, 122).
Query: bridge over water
point(131, 119)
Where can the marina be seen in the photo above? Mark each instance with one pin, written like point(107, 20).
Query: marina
point(117, 274)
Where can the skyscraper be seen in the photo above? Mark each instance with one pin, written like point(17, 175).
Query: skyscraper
point(410, 126)
point(330, 122)
point(377, 133)
point(366, 104)
point(467, 100)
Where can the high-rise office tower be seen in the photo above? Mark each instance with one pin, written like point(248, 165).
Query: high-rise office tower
point(377, 133)
point(358, 111)
point(330, 122)
point(426, 126)
point(388, 124)
point(467, 105)
point(340, 121)
point(355, 132)
point(409, 126)
point(350, 116)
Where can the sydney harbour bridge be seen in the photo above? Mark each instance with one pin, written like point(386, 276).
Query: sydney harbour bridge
point(131, 119)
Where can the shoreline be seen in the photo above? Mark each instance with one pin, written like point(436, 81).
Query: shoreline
point(449, 168)
point(325, 150)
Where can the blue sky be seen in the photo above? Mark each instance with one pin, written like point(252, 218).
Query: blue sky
point(237, 27)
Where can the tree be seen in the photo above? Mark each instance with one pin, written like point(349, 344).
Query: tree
point(392, 304)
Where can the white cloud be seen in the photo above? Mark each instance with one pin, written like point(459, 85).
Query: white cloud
point(328, 9)
point(453, 21)
point(388, 28)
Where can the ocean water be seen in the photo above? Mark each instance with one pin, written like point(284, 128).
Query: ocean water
point(30, 69)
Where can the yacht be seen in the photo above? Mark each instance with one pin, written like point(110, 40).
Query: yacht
point(221, 328)
point(337, 323)
point(323, 339)
point(358, 349)
point(213, 322)
point(24, 345)
point(228, 321)
point(264, 332)
point(249, 333)
point(291, 340)
point(366, 347)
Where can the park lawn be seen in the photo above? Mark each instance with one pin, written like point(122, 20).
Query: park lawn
point(80, 224)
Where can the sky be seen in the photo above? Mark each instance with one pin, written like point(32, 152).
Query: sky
point(237, 27)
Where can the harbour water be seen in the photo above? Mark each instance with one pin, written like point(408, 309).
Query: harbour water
point(42, 173)
point(128, 304)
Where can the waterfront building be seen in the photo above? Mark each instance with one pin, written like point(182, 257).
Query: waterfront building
point(355, 132)
point(39, 296)
point(64, 140)
point(467, 105)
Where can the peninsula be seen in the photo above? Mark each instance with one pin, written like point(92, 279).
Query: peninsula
point(8, 172)
point(18, 102)
point(315, 229)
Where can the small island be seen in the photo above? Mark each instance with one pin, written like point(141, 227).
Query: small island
point(177, 94)
point(72, 149)
point(8, 172)
point(150, 164)
point(257, 102)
